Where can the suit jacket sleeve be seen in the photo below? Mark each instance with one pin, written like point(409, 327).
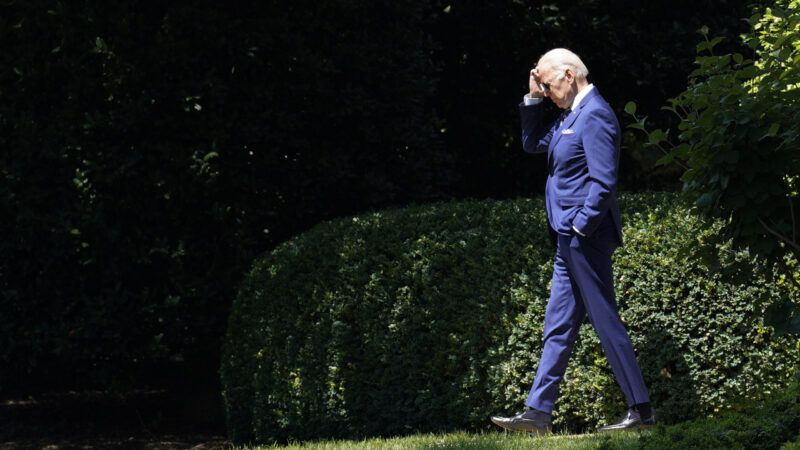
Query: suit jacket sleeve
point(601, 146)
point(536, 134)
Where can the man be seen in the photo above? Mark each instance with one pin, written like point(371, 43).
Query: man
point(582, 148)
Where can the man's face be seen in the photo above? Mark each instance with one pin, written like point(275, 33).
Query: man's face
point(558, 86)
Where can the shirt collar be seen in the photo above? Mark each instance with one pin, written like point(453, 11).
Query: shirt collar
point(580, 96)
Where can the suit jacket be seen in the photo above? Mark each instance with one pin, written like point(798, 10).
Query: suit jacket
point(582, 162)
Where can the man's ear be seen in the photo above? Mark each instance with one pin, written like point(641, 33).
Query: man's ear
point(569, 75)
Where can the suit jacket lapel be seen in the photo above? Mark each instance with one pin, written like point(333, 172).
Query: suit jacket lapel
point(571, 118)
point(556, 133)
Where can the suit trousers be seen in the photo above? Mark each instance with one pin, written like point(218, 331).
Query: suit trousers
point(583, 284)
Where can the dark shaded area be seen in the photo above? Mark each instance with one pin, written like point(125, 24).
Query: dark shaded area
point(149, 151)
point(105, 420)
point(635, 51)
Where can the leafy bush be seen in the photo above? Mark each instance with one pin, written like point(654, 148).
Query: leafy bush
point(793, 445)
point(771, 425)
point(739, 133)
point(739, 140)
point(430, 318)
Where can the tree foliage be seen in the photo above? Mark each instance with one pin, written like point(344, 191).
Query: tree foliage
point(739, 137)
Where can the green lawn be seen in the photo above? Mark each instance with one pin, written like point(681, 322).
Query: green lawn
point(483, 441)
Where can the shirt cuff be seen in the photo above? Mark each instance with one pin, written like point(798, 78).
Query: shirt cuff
point(531, 100)
point(576, 230)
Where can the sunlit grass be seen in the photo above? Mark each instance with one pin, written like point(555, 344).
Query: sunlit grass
point(481, 441)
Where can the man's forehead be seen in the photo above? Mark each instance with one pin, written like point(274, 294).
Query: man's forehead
point(545, 70)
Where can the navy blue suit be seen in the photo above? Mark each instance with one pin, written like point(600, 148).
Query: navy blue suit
point(582, 161)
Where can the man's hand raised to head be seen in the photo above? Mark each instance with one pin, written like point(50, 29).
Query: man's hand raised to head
point(535, 84)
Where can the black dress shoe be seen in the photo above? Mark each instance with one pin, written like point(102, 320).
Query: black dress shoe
point(531, 421)
point(632, 419)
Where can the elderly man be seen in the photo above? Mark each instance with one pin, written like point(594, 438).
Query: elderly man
point(582, 148)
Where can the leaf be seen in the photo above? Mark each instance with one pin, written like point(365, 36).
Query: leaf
point(682, 150)
point(773, 130)
point(703, 46)
point(657, 136)
point(630, 108)
point(666, 159)
point(637, 126)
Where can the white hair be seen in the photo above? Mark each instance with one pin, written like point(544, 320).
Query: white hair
point(561, 59)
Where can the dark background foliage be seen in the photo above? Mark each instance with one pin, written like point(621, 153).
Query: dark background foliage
point(150, 150)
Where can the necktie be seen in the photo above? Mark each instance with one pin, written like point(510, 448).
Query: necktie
point(563, 117)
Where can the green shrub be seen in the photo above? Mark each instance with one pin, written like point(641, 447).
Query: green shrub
point(762, 426)
point(793, 445)
point(739, 139)
point(430, 318)
point(739, 131)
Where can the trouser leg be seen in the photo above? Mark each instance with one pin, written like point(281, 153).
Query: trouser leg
point(562, 320)
point(589, 263)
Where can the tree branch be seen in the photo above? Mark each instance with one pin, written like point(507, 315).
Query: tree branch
point(791, 211)
point(676, 161)
point(781, 237)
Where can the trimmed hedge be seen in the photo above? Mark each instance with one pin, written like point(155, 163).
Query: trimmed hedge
point(430, 318)
point(772, 425)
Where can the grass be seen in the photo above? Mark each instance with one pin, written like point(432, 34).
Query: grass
point(480, 441)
